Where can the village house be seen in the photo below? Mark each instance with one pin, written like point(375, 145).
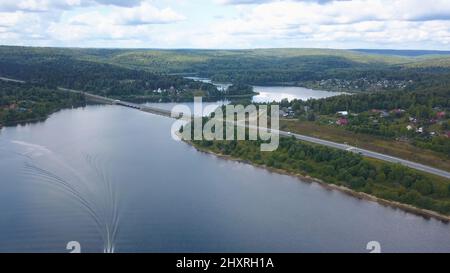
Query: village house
point(441, 115)
point(342, 122)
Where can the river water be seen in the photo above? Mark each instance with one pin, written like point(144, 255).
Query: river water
point(266, 94)
point(276, 93)
point(113, 179)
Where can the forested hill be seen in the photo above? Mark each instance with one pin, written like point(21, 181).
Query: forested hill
point(58, 70)
point(341, 70)
point(353, 70)
point(114, 70)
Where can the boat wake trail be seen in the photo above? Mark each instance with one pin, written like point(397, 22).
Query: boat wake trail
point(93, 190)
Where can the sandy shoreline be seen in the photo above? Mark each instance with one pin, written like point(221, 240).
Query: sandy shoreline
point(360, 195)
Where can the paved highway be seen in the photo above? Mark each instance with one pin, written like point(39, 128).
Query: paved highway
point(10, 80)
point(371, 154)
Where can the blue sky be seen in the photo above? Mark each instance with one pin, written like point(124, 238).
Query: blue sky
point(393, 24)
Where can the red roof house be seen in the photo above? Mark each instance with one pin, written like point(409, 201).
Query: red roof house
point(342, 121)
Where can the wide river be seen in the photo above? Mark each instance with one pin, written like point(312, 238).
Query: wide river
point(113, 178)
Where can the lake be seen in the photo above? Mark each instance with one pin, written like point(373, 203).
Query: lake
point(276, 93)
point(112, 178)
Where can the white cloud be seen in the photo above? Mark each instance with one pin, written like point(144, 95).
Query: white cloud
point(378, 22)
point(146, 14)
point(243, 23)
point(48, 5)
point(86, 25)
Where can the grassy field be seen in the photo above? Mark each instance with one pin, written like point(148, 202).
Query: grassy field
point(391, 147)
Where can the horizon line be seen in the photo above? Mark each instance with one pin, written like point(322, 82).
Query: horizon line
point(227, 49)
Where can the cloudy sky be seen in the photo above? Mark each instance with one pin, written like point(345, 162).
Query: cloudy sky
point(396, 24)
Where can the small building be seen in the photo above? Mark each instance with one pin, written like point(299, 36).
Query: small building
point(409, 127)
point(342, 122)
point(419, 130)
point(441, 115)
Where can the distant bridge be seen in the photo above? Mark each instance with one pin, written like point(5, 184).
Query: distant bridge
point(144, 108)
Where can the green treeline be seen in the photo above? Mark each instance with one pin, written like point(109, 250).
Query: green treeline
point(106, 80)
point(340, 69)
point(384, 180)
point(418, 102)
point(24, 102)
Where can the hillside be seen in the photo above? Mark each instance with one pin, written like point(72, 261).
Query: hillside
point(340, 70)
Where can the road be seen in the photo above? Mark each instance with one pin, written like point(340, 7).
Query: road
point(327, 143)
point(10, 80)
point(370, 154)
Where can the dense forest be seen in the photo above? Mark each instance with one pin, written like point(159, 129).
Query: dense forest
point(104, 79)
point(25, 102)
point(342, 70)
point(430, 97)
point(384, 180)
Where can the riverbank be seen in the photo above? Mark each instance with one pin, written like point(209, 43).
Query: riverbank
point(401, 149)
point(37, 119)
point(356, 194)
